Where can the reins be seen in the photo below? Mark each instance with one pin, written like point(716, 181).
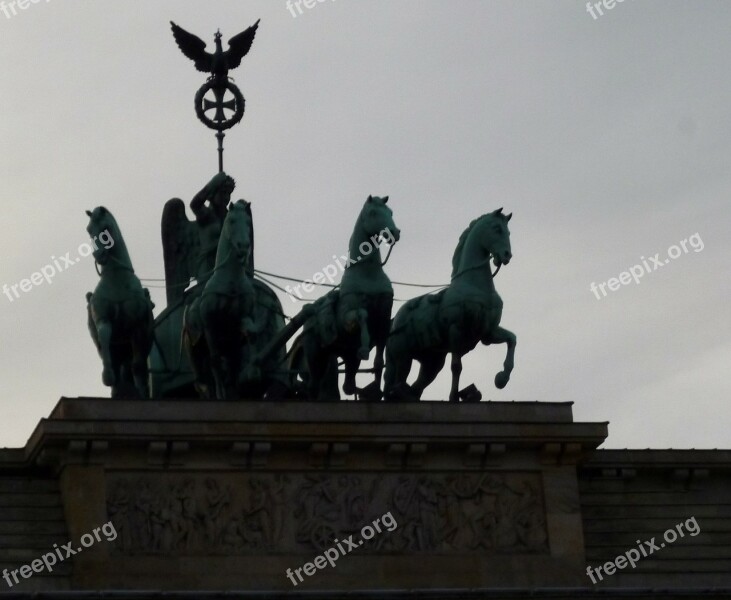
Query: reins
point(478, 266)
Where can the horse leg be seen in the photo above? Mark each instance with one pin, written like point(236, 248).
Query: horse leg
point(456, 372)
point(359, 318)
point(217, 362)
point(104, 335)
point(229, 359)
point(373, 392)
point(139, 369)
point(365, 340)
point(121, 386)
point(429, 368)
point(232, 363)
point(499, 335)
point(210, 312)
point(351, 367)
point(378, 364)
point(329, 387)
point(249, 372)
point(315, 364)
point(379, 334)
point(203, 372)
point(398, 367)
point(196, 349)
point(141, 346)
point(237, 352)
point(193, 360)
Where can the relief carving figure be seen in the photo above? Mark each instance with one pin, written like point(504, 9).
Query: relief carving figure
point(239, 514)
point(470, 523)
point(260, 524)
point(318, 512)
point(268, 504)
point(529, 520)
point(488, 512)
point(118, 508)
point(416, 501)
point(217, 499)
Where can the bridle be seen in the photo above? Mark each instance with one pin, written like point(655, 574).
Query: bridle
point(479, 265)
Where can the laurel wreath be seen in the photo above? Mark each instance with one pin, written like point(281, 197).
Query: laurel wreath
point(238, 111)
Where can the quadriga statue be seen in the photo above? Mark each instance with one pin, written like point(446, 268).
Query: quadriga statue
point(454, 320)
point(120, 312)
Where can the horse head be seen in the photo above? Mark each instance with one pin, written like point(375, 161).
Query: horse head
point(236, 232)
point(376, 218)
point(495, 237)
point(103, 227)
point(487, 237)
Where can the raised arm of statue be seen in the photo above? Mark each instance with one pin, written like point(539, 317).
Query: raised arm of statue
point(220, 187)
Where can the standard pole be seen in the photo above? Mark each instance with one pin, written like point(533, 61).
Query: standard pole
point(220, 135)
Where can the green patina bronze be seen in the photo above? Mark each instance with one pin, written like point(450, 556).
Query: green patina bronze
point(353, 319)
point(119, 312)
point(189, 247)
point(181, 366)
point(454, 320)
point(216, 324)
point(223, 334)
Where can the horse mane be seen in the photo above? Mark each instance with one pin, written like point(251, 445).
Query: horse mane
point(239, 204)
point(246, 207)
point(463, 239)
point(101, 214)
point(370, 202)
point(461, 243)
point(103, 217)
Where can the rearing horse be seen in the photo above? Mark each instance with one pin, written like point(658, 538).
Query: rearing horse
point(217, 323)
point(120, 312)
point(351, 320)
point(429, 327)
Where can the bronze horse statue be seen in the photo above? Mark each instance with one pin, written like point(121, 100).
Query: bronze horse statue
point(427, 328)
point(216, 325)
point(355, 317)
point(119, 312)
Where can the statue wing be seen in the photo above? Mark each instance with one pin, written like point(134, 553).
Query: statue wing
point(179, 248)
point(239, 46)
point(193, 47)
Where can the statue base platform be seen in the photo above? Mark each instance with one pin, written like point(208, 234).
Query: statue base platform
point(247, 495)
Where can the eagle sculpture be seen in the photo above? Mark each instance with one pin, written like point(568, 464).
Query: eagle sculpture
point(219, 63)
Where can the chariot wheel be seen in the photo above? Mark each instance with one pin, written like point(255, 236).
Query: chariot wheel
point(322, 536)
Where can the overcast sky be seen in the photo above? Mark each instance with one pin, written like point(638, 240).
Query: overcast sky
point(607, 137)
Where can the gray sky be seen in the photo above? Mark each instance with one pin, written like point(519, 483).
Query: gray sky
point(607, 138)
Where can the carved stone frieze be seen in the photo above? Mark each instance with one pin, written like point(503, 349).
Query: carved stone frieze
point(243, 513)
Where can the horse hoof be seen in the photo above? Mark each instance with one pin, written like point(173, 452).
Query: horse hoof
point(108, 377)
point(470, 394)
point(501, 380)
point(363, 354)
point(370, 393)
point(401, 392)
